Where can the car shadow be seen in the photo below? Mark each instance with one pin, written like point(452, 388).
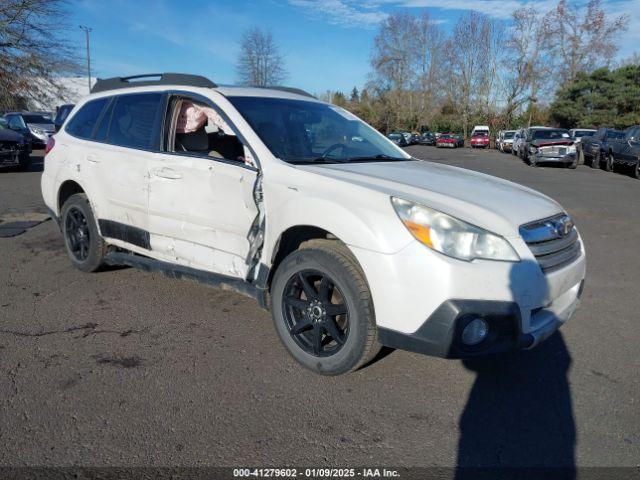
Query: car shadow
point(519, 414)
point(518, 420)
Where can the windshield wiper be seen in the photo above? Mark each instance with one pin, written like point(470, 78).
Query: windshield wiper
point(375, 158)
point(311, 161)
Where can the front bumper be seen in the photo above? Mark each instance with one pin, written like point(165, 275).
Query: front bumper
point(10, 155)
point(422, 298)
point(446, 145)
point(567, 158)
point(440, 334)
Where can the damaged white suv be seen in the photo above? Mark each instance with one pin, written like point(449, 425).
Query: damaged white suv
point(350, 242)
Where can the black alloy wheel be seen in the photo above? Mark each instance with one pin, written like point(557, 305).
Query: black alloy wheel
point(315, 312)
point(85, 246)
point(77, 234)
point(322, 308)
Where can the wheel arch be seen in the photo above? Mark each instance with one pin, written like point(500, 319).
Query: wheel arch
point(290, 240)
point(67, 188)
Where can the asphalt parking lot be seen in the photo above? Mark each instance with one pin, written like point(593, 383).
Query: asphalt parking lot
point(129, 368)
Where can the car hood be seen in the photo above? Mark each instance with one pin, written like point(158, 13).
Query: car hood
point(7, 135)
point(489, 202)
point(544, 143)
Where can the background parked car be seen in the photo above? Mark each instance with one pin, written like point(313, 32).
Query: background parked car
point(428, 138)
point(448, 140)
point(594, 148)
point(480, 129)
point(549, 145)
point(479, 140)
point(505, 140)
point(577, 133)
point(62, 112)
point(14, 147)
point(518, 138)
point(398, 138)
point(36, 127)
point(624, 151)
point(415, 139)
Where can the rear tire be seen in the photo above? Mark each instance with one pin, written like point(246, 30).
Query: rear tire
point(309, 288)
point(85, 246)
point(636, 170)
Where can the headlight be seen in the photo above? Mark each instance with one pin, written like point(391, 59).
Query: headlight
point(450, 236)
point(37, 131)
point(571, 149)
point(533, 149)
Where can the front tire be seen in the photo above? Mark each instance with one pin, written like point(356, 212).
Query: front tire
point(636, 170)
point(595, 160)
point(610, 163)
point(85, 246)
point(322, 308)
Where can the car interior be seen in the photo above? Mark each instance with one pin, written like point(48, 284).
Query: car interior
point(199, 130)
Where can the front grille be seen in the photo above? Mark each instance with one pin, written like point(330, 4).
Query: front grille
point(553, 241)
point(553, 151)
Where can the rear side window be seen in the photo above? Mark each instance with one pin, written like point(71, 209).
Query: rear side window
point(83, 122)
point(133, 120)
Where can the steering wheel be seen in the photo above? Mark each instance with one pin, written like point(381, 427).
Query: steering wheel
point(333, 147)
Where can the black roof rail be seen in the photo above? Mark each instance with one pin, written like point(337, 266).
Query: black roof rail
point(114, 83)
point(295, 90)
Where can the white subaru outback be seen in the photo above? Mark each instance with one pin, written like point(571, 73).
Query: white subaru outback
point(350, 242)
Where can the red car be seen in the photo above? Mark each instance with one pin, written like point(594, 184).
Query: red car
point(480, 140)
point(447, 140)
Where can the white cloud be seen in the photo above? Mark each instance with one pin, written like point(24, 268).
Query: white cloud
point(342, 12)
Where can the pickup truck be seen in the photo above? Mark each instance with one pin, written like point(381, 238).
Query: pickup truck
point(592, 150)
point(625, 151)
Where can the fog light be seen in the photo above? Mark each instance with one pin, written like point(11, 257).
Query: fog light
point(475, 332)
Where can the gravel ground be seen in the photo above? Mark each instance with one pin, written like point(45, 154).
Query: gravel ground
point(128, 368)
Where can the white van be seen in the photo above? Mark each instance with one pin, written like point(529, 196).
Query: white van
point(480, 129)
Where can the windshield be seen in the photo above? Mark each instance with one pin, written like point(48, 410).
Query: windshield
point(550, 134)
point(3, 124)
point(509, 134)
point(394, 136)
point(32, 118)
point(300, 131)
point(583, 133)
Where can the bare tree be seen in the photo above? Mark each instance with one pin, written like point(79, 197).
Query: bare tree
point(526, 65)
point(392, 62)
point(584, 42)
point(260, 63)
point(34, 54)
point(470, 63)
point(428, 57)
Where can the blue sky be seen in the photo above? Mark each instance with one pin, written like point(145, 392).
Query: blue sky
point(327, 43)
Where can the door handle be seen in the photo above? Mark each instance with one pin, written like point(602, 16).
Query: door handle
point(169, 173)
point(93, 158)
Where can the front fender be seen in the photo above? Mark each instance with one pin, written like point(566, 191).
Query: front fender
point(374, 226)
